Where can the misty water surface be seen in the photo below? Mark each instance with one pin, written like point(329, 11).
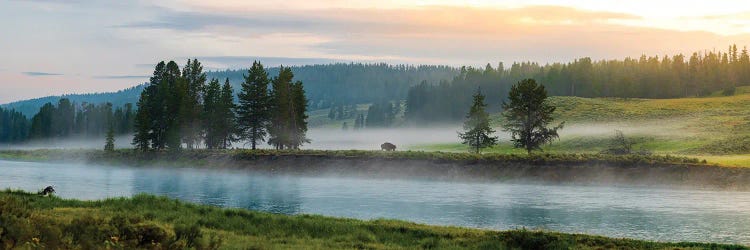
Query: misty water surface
point(654, 214)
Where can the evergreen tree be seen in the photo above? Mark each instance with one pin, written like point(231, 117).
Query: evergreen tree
point(160, 108)
point(226, 116)
point(190, 110)
point(288, 125)
point(109, 145)
point(155, 106)
point(527, 115)
point(142, 124)
point(211, 115)
point(477, 131)
point(254, 110)
point(175, 92)
point(359, 122)
point(298, 128)
point(41, 123)
point(282, 109)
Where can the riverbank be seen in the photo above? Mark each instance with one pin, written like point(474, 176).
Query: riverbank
point(594, 169)
point(147, 221)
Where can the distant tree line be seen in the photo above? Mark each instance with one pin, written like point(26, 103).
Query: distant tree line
point(14, 127)
point(178, 108)
point(330, 85)
point(66, 119)
point(699, 74)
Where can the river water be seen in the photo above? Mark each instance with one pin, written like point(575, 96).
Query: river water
point(632, 212)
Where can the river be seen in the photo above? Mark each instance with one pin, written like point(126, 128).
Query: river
point(633, 212)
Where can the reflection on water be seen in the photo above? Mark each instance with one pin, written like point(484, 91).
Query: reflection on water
point(654, 214)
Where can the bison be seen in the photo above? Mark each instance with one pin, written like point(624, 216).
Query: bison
point(388, 146)
point(47, 191)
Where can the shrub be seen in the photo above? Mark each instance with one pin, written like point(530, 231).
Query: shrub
point(190, 234)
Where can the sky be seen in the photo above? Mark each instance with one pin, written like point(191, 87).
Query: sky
point(53, 47)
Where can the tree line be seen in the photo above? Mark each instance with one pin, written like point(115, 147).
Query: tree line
point(179, 109)
point(700, 74)
point(66, 119)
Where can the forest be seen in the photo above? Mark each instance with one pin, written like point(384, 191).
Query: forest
point(178, 109)
point(701, 74)
point(425, 94)
point(66, 119)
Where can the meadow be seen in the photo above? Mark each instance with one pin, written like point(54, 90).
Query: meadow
point(714, 128)
point(150, 222)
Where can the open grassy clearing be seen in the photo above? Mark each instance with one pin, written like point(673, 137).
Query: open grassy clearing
point(713, 128)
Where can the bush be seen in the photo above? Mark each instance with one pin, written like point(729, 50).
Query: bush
point(190, 234)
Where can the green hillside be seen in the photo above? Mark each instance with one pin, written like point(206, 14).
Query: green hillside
point(714, 128)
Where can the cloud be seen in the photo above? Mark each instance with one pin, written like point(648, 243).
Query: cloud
point(433, 34)
point(121, 77)
point(35, 73)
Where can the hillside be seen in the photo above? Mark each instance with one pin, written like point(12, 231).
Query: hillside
point(713, 128)
point(324, 84)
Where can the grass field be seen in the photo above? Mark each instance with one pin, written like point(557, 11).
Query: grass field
point(144, 221)
point(715, 128)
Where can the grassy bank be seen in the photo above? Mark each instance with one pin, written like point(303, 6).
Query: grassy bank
point(202, 157)
point(145, 221)
point(581, 169)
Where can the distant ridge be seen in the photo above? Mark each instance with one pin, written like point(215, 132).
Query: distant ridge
point(117, 98)
point(325, 82)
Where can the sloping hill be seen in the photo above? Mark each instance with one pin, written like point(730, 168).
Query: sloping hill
point(118, 98)
point(712, 128)
point(324, 84)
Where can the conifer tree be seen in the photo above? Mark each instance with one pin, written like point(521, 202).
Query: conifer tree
point(210, 115)
point(142, 124)
point(109, 144)
point(190, 110)
point(288, 126)
point(254, 110)
point(174, 91)
point(528, 114)
point(477, 131)
point(281, 109)
point(226, 116)
point(298, 127)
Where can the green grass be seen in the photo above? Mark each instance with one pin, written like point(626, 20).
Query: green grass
point(715, 128)
point(145, 221)
point(319, 118)
point(211, 158)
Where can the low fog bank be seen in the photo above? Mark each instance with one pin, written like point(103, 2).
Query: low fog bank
point(122, 141)
point(370, 139)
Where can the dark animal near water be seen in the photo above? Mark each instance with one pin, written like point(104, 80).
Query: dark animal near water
point(47, 191)
point(388, 146)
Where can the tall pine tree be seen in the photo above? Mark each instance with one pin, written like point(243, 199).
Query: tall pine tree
point(477, 131)
point(190, 110)
point(288, 125)
point(226, 116)
point(142, 123)
point(527, 115)
point(254, 106)
point(210, 114)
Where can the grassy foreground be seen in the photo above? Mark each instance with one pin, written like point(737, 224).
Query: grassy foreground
point(30, 221)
